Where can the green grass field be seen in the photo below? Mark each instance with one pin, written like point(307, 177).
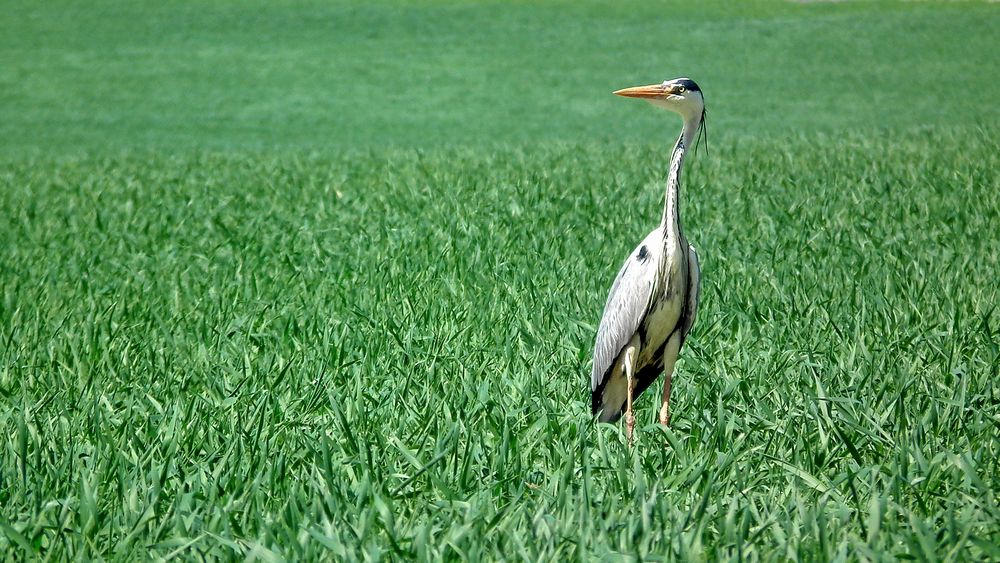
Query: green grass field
point(297, 281)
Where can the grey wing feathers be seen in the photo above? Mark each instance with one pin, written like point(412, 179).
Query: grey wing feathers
point(624, 310)
point(694, 291)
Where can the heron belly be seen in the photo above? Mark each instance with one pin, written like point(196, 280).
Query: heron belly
point(660, 324)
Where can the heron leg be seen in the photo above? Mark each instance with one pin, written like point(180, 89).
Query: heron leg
point(669, 359)
point(631, 352)
point(665, 408)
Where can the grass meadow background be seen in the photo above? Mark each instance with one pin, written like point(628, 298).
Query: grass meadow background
point(296, 280)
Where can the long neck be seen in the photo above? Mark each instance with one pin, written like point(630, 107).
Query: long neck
point(671, 206)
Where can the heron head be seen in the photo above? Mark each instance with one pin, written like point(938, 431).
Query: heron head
point(680, 95)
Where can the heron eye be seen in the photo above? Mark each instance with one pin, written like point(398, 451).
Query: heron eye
point(681, 90)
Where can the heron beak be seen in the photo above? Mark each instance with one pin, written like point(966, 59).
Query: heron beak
point(651, 91)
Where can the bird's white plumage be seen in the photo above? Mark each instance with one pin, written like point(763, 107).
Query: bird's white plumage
point(626, 305)
point(694, 290)
point(649, 297)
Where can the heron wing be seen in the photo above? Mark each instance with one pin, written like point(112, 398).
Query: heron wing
point(694, 292)
point(627, 305)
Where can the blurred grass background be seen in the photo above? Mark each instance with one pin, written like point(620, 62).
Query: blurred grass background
point(79, 76)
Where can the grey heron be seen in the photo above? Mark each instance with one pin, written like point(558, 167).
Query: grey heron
point(654, 299)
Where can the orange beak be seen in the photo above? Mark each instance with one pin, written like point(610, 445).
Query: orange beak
point(651, 91)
